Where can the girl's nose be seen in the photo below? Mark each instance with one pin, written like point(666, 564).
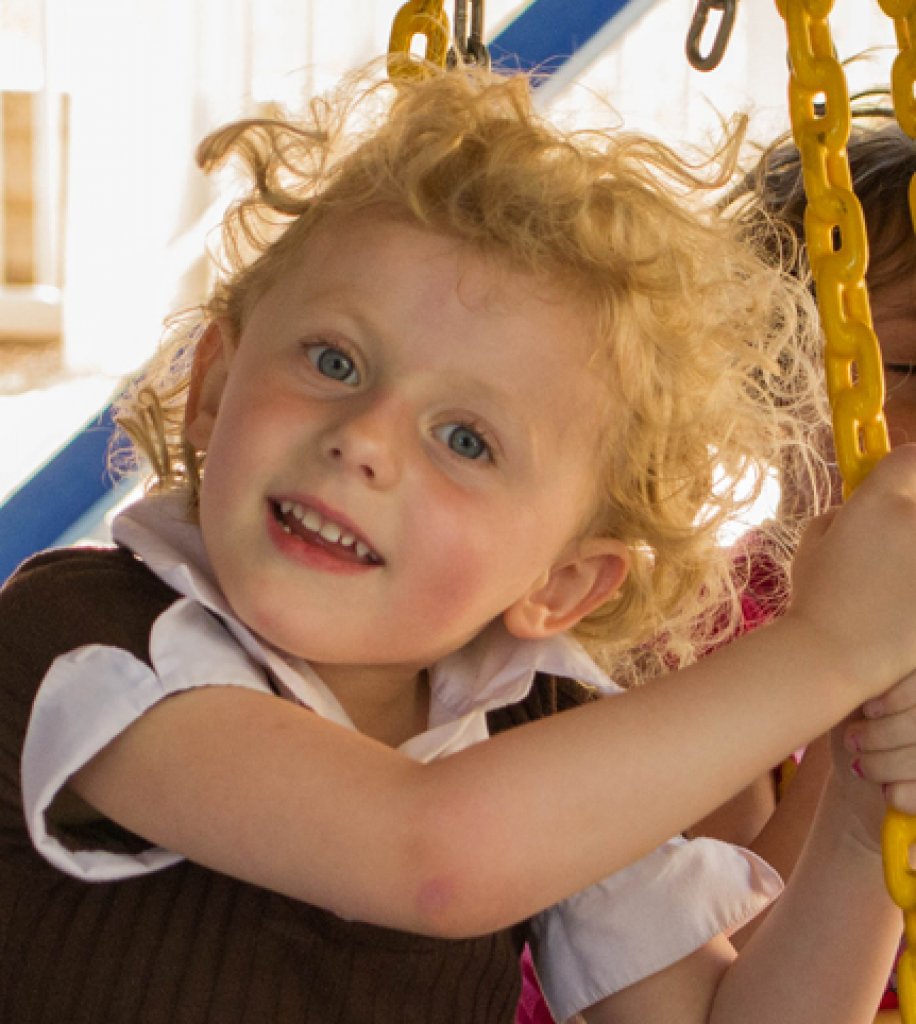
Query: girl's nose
point(368, 440)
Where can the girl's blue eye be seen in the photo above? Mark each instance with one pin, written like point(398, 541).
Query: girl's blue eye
point(333, 363)
point(464, 441)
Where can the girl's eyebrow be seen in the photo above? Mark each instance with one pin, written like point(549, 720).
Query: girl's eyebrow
point(499, 395)
point(340, 299)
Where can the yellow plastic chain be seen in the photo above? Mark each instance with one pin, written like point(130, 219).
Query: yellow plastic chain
point(836, 240)
point(838, 252)
point(900, 830)
point(425, 18)
point(903, 73)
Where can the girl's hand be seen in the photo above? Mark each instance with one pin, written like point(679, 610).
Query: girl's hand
point(878, 746)
point(854, 579)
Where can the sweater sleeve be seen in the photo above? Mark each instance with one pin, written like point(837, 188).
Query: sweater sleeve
point(93, 640)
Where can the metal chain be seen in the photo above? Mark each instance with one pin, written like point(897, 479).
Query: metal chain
point(469, 46)
point(838, 253)
point(425, 18)
point(711, 60)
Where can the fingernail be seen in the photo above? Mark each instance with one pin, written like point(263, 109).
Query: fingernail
point(856, 767)
point(854, 742)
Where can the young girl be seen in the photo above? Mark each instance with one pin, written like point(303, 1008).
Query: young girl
point(244, 775)
point(771, 818)
point(882, 161)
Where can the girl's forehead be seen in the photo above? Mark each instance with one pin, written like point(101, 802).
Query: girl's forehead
point(892, 247)
point(378, 261)
point(491, 282)
point(396, 280)
point(488, 271)
point(892, 286)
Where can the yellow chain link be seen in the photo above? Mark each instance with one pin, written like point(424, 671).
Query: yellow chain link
point(903, 73)
point(838, 253)
point(836, 240)
point(425, 18)
point(900, 830)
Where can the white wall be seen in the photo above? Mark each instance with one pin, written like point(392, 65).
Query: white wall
point(646, 77)
point(149, 77)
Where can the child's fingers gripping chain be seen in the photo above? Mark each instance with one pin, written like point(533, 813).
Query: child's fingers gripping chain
point(900, 697)
point(854, 578)
point(901, 796)
point(891, 484)
point(886, 723)
point(886, 767)
point(882, 745)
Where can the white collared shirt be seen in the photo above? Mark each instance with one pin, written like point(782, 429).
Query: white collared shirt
point(611, 935)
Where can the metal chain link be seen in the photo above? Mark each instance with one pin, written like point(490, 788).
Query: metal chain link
point(838, 253)
point(713, 58)
point(425, 18)
point(469, 47)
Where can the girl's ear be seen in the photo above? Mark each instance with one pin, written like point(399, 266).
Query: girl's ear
point(584, 578)
point(208, 378)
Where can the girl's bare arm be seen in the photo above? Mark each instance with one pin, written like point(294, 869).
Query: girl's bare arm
point(775, 831)
point(257, 788)
point(260, 789)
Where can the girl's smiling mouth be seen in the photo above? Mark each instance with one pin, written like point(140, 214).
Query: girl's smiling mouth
point(312, 527)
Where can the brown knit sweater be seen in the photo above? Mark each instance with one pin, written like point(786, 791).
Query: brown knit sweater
point(187, 945)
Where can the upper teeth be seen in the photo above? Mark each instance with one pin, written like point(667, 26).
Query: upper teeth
point(316, 523)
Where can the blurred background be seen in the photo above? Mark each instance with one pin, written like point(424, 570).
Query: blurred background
point(104, 216)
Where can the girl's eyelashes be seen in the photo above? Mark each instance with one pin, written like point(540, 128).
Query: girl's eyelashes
point(333, 362)
point(465, 440)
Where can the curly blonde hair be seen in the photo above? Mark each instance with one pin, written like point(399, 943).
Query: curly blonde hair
point(699, 334)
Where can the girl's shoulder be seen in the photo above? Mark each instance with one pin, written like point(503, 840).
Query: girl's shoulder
point(63, 599)
point(65, 573)
point(66, 564)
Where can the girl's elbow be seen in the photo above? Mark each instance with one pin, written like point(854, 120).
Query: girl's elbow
point(461, 890)
point(449, 906)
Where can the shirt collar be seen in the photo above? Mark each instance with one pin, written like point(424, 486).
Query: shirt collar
point(494, 670)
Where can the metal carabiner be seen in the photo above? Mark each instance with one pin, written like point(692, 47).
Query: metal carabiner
point(469, 45)
point(723, 33)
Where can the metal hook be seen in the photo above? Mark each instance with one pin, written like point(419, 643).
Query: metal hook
point(469, 45)
point(712, 60)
